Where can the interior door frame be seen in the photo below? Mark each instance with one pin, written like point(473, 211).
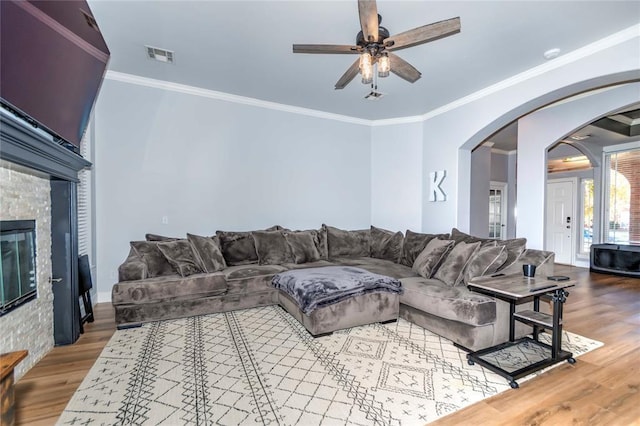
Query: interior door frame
point(574, 214)
point(504, 203)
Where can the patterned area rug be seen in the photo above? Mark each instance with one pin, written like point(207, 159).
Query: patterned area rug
point(260, 366)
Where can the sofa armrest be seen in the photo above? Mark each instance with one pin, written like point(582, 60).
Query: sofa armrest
point(133, 268)
point(544, 261)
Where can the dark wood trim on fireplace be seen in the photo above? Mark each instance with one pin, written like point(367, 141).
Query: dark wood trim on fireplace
point(22, 144)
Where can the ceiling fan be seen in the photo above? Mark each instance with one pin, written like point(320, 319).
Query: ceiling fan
point(375, 46)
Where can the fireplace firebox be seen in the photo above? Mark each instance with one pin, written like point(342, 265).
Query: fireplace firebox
point(18, 273)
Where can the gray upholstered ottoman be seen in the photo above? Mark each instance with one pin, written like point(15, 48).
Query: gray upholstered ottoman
point(332, 298)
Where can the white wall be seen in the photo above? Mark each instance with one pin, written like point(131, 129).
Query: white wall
point(208, 164)
point(539, 130)
point(481, 166)
point(450, 134)
point(396, 177)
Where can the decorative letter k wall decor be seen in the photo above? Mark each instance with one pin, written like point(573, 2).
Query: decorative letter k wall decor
point(435, 191)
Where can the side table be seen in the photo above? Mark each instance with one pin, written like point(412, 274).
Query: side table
point(517, 289)
point(8, 362)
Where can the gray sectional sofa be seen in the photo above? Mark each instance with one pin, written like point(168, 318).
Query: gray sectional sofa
point(165, 278)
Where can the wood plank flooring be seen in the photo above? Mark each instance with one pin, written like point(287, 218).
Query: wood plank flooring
point(602, 388)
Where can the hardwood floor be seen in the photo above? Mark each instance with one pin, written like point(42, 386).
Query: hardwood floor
point(602, 388)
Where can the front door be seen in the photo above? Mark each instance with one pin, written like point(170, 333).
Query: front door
point(560, 199)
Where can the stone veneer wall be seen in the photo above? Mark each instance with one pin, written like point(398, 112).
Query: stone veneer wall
point(24, 196)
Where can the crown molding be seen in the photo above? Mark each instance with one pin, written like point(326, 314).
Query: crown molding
point(503, 152)
point(573, 56)
point(583, 52)
point(244, 100)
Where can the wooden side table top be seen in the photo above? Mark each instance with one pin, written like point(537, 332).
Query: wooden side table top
point(517, 286)
point(9, 361)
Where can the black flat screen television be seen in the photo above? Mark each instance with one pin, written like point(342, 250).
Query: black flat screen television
point(52, 62)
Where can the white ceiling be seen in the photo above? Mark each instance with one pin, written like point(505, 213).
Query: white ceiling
point(244, 47)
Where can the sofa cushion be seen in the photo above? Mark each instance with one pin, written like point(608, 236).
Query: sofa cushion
point(381, 267)
point(245, 279)
point(156, 237)
point(451, 271)
point(514, 247)
point(414, 243)
point(386, 244)
point(148, 252)
point(271, 247)
point(486, 261)
point(453, 303)
point(539, 258)
point(181, 256)
point(303, 246)
point(208, 252)
point(459, 236)
point(428, 260)
point(168, 287)
point(238, 248)
point(343, 243)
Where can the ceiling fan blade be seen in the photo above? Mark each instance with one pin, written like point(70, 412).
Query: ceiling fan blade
point(349, 75)
point(403, 69)
point(368, 12)
point(325, 48)
point(423, 34)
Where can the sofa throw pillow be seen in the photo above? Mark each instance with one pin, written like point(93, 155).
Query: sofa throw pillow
point(303, 246)
point(343, 243)
point(414, 243)
point(451, 271)
point(272, 248)
point(459, 236)
point(514, 247)
point(486, 261)
point(208, 254)
point(156, 237)
point(238, 248)
point(180, 255)
point(386, 244)
point(157, 264)
point(428, 260)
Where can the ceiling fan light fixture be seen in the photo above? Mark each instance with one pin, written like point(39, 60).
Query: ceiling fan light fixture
point(384, 66)
point(366, 68)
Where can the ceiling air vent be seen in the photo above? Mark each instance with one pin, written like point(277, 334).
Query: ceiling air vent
point(161, 55)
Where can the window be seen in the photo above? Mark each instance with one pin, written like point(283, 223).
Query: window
point(586, 237)
point(622, 198)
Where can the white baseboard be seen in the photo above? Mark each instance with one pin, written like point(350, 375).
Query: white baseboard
point(104, 296)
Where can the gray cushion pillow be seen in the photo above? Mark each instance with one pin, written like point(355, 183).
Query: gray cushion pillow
point(180, 255)
point(157, 264)
point(414, 243)
point(156, 237)
point(303, 246)
point(343, 243)
point(486, 261)
point(515, 247)
point(238, 248)
point(272, 248)
point(386, 244)
point(208, 253)
point(459, 236)
point(451, 271)
point(428, 260)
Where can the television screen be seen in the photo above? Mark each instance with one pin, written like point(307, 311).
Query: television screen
point(52, 61)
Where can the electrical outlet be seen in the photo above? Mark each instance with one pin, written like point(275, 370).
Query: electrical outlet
point(165, 220)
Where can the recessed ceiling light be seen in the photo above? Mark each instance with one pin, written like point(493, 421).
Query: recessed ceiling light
point(160, 55)
point(551, 53)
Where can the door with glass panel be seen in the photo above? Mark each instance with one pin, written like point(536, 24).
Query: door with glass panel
point(497, 210)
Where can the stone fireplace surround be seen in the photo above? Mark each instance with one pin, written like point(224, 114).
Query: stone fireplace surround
point(25, 195)
point(37, 181)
